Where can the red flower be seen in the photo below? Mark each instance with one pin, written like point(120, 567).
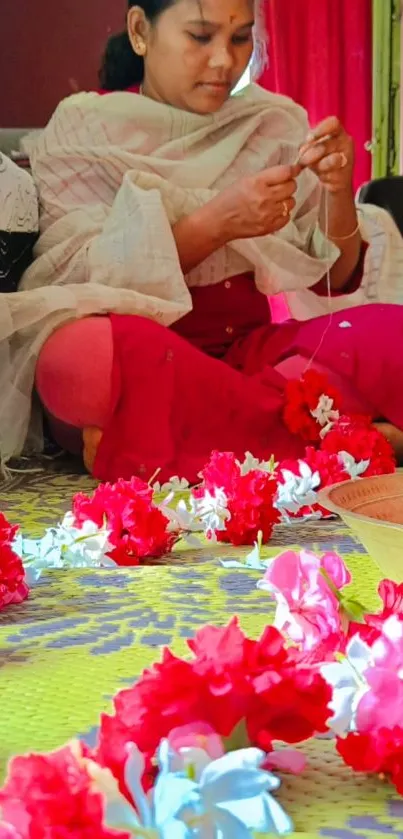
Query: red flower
point(250, 499)
point(260, 683)
point(367, 633)
point(51, 796)
point(330, 469)
point(166, 696)
point(7, 531)
point(391, 595)
point(232, 679)
point(379, 752)
point(221, 472)
point(293, 705)
point(227, 661)
point(251, 510)
point(138, 528)
point(363, 441)
point(302, 397)
point(13, 588)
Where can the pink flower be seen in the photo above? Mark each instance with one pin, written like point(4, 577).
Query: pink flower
point(381, 706)
point(387, 651)
point(197, 735)
point(285, 760)
point(334, 567)
point(305, 588)
point(7, 831)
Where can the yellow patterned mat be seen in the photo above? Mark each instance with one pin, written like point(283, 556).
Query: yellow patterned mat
point(82, 635)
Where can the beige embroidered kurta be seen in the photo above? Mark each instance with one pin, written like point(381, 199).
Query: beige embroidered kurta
point(113, 174)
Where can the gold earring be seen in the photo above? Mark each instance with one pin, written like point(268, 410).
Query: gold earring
point(140, 47)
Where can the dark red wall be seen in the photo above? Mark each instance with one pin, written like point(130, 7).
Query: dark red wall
point(48, 48)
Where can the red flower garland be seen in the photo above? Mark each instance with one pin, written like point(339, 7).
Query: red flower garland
point(250, 499)
point(328, 466)
point(357, 436)
point(138, 528)
point(13, 588)
point(302, 397)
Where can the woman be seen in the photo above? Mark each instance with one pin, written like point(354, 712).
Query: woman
point(173, 209)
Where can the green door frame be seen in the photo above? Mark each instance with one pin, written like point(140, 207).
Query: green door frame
point(386, 87)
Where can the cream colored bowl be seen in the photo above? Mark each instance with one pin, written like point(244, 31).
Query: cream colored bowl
point(373, 509)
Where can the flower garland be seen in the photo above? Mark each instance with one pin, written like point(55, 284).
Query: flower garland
point(190, 747)
point(235, 502)
point(347, 447)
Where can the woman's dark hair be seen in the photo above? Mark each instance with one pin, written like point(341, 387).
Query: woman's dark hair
point(121, 67)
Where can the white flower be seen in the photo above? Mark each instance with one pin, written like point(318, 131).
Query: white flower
point(351, 466)
point(66, 546)
point(250, 464)
point(211, 510)
point(175, 484)
point(227, 799)
point(230, 797)
point(324, 413)
point(297, 490)
point(252, 560)
point(346, 677)
point(180, 517)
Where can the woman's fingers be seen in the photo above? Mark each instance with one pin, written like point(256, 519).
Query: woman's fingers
point(283, 191)
point(337, 160)
point(279, 175)
point(330, 125)
point(285, 208)
point(310, 155)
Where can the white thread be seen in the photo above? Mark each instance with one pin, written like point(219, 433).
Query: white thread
point(328, 287)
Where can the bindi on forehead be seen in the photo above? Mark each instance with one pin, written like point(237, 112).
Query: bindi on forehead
point(207, 10)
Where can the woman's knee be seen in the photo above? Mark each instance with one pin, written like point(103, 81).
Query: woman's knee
point(74, 372)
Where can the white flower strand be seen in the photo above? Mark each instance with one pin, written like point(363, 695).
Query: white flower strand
point(67, 546)
point(297, 490)
point(325, 414)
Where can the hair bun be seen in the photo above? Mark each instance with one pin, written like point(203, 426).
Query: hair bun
point(121, 68)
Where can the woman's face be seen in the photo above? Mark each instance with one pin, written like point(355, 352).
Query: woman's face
point(196, 52)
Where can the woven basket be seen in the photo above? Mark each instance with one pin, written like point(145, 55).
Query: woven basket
point(373, 509)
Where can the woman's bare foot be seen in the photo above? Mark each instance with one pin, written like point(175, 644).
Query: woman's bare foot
point(91, 439)
point(395, 438)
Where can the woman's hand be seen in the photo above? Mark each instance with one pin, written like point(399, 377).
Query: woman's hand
point(256, 205)
point(333, 159)
point(252, 206)
point(329, 152)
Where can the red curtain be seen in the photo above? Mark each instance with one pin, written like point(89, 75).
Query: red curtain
point(320, 54)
